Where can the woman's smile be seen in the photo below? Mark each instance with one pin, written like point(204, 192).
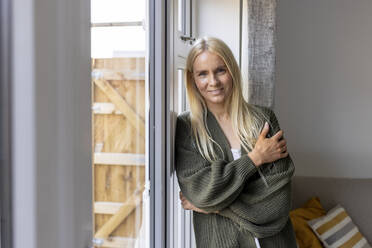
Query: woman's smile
point(216, 92)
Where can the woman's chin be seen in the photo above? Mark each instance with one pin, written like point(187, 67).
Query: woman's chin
point(216, 100)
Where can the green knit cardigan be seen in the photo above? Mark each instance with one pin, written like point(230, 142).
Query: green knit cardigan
point(247, 208)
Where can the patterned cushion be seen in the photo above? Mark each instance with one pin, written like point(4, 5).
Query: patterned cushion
point(336, 229)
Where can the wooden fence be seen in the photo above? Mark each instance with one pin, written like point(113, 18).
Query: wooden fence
point(118, 115)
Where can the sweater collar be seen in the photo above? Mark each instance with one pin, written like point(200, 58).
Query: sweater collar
point(219, 136)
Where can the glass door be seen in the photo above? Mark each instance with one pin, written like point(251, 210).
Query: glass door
point(119, 44)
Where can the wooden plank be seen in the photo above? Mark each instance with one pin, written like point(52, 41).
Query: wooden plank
point(105, 108)
point(116, 242)
point(107, 207)
point(107, 74)
point(134, 64)
point(121, 104)
point(120, 215)
point(119, 158)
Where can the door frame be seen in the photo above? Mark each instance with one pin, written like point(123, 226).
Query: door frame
point(158, 122)
point(5, 126)
point(179, 225)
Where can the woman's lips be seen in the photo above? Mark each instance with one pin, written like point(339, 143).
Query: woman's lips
point(216, 92)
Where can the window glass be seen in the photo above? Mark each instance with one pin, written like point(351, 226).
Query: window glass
point(119, 83)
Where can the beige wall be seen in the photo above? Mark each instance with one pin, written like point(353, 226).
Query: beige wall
point(324, 85)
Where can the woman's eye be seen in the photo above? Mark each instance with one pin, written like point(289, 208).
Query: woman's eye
point(221, 70)
point(202, 74)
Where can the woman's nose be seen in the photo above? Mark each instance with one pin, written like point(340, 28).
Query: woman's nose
point(213, 80)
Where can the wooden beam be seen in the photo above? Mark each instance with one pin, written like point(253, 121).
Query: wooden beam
point(119, 158)
point(120, 215)
point(107, 207)
point(116, 242)
point(121, 104)
point(126, 74)
point(107, 74)
point(105, 108)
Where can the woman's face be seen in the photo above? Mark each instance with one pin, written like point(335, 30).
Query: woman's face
point(212, 78)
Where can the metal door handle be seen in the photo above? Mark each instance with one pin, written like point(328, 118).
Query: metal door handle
point(187, 38)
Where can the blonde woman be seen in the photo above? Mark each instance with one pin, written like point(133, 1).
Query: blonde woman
point(234, 170)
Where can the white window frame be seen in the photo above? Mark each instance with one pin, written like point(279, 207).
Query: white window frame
point(180, 226)
point(158, 123)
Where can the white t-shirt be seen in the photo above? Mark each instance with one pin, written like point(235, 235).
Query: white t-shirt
point(236, 154)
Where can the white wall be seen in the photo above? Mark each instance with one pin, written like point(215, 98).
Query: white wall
point(324, 85)
point(219, 18)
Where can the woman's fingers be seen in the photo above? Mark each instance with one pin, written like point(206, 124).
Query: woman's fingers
point(278, 135)
point(284, 154)
point(189, 206)
point(282, 142)
point(200, 210)
point(271, 149)
point(282, 149)
point(282, 146)
point(185, 203)
point(264, 131)
point(182, 198)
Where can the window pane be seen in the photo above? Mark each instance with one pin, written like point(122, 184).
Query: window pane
point(181, 16)
point(117, 10)
point(109, 42)
point(182, 99)
point(119, 116)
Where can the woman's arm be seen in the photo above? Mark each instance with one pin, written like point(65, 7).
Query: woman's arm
point(249, 212)
point(208, 186)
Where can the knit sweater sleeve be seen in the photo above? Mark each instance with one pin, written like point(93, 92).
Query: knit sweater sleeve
point(210, 186)
point(241, 212)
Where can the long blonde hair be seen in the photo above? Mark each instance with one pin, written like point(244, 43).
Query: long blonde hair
point(247, 119)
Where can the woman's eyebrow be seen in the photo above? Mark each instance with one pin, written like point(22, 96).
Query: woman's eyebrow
point(218, 67)
point(221, 66)
point(197, 72)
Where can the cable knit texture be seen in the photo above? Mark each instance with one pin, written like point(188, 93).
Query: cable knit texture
point(247, 208)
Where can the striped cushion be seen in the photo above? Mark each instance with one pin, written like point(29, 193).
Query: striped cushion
point(336, 229)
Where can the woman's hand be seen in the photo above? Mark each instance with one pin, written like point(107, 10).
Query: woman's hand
point(267, 150)
point(189, 206)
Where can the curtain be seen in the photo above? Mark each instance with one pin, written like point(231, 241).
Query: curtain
point(258, 51)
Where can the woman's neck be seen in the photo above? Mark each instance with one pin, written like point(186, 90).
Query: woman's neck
point(220, 112)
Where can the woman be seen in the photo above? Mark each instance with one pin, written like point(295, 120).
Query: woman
point(220, 152)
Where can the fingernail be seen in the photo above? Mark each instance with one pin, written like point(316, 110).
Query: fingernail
point(266, 124)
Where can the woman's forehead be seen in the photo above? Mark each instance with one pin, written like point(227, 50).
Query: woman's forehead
point(208, 59)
